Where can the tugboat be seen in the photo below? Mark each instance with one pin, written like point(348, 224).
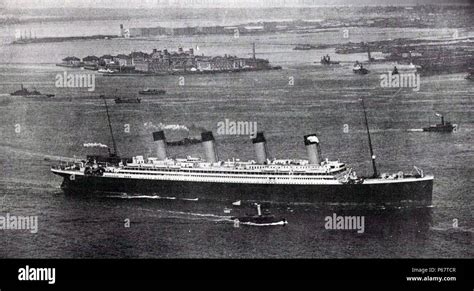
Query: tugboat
point(359, 69)
point(440, 127)
point(260, 219)
point(395, 71)
point(152, 92)
point(25, 93)
point(119, 100)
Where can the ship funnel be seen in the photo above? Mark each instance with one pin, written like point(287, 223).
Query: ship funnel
point(208, 144)
point(259, 144)
point(311, 143)
point(159, 138)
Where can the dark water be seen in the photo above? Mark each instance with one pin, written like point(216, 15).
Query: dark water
point(322, 100)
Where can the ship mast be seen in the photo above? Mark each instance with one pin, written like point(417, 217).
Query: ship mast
point(114, 154)
point(372, 156)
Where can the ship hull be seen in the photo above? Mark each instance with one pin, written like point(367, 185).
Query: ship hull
point(438, 129)
point(418, 192)
point(152, 93)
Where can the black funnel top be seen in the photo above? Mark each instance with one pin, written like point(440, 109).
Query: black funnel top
point(158, 135)
point(207, 136)
point(259, 138)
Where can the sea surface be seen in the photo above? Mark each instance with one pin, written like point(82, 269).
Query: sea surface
point(287, 104)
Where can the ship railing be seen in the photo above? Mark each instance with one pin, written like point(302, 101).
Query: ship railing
point(394, 176)
point(66, 167)
point(419, 171)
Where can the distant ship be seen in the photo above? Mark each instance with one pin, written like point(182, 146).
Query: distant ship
point(152, 92)
point(304, 47)
point(25, 93)
point(277, 180)
point(440, 127)
point(119, 100)
point(326, 60)
point(359, 69)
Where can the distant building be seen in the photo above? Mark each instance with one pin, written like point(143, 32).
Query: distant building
point(230, 29)
point(184, 31)
point(106, 60)
point(135, 32)
point(71, 61)
point(138, 57)
point(258, 64)
point(210, 30)
point(90, 61)
point(123, 60)
point(204, 64)
point(163, 61)
point(142, 66)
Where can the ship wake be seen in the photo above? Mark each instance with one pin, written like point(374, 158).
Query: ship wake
point(126, 196)
point(174, 214)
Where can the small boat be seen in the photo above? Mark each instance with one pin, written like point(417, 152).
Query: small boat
point(326, 60)
point(119, 100)
point(259, 219)
point(440, 127)
point(359, 69)
point(152, 92)
point(25, 93)
point(227, 210)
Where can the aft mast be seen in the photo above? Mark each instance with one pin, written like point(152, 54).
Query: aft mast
point(372, 156)
point(114, 154)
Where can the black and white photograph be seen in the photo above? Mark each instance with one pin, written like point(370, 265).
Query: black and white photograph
point(235, 130)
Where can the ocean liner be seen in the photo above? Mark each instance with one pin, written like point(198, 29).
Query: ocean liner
point(311, 180)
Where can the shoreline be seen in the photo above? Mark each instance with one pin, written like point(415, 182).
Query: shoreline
point(62, 39)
